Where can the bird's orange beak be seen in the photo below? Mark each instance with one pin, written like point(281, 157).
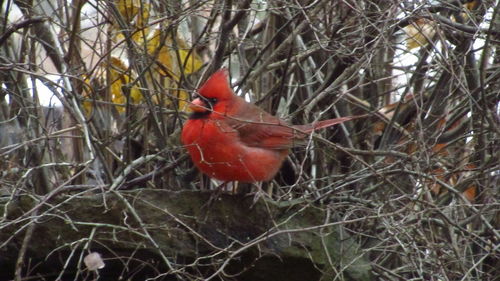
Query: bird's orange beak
point(198, 105)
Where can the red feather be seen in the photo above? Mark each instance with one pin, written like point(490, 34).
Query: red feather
point(233, 140)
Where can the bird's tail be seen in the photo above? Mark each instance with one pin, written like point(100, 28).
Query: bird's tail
point(309, 128)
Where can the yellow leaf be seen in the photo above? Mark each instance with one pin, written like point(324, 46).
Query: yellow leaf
point(172, 95)
point(87, 92)
point(172, 59)
point(169, 63)
point(183, 97)
point(192, 63)
point(471, 5)
point(143, 18)
point(136, 14)
point(135, 95)
point(166, 59)
point(118, 64)
point(128, 8)
point(419, 33)
point(118, 77)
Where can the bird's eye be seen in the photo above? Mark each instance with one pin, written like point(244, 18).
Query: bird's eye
point(212, 100)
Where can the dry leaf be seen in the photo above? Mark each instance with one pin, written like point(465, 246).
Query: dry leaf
point(419, 33)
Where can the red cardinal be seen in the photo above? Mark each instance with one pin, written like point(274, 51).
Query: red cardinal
point(232, 140)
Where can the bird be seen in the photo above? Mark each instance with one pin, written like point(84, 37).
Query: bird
point(230, 139)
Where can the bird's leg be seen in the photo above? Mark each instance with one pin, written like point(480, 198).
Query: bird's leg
point(269, 190)
point(234, 189)
point(260, 193)
point(243, 188)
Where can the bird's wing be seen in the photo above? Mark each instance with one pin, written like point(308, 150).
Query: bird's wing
point(273, 133)
point(258, 128)
point(271, 136)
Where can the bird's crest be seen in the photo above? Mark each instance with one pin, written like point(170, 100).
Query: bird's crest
point(217, 86)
